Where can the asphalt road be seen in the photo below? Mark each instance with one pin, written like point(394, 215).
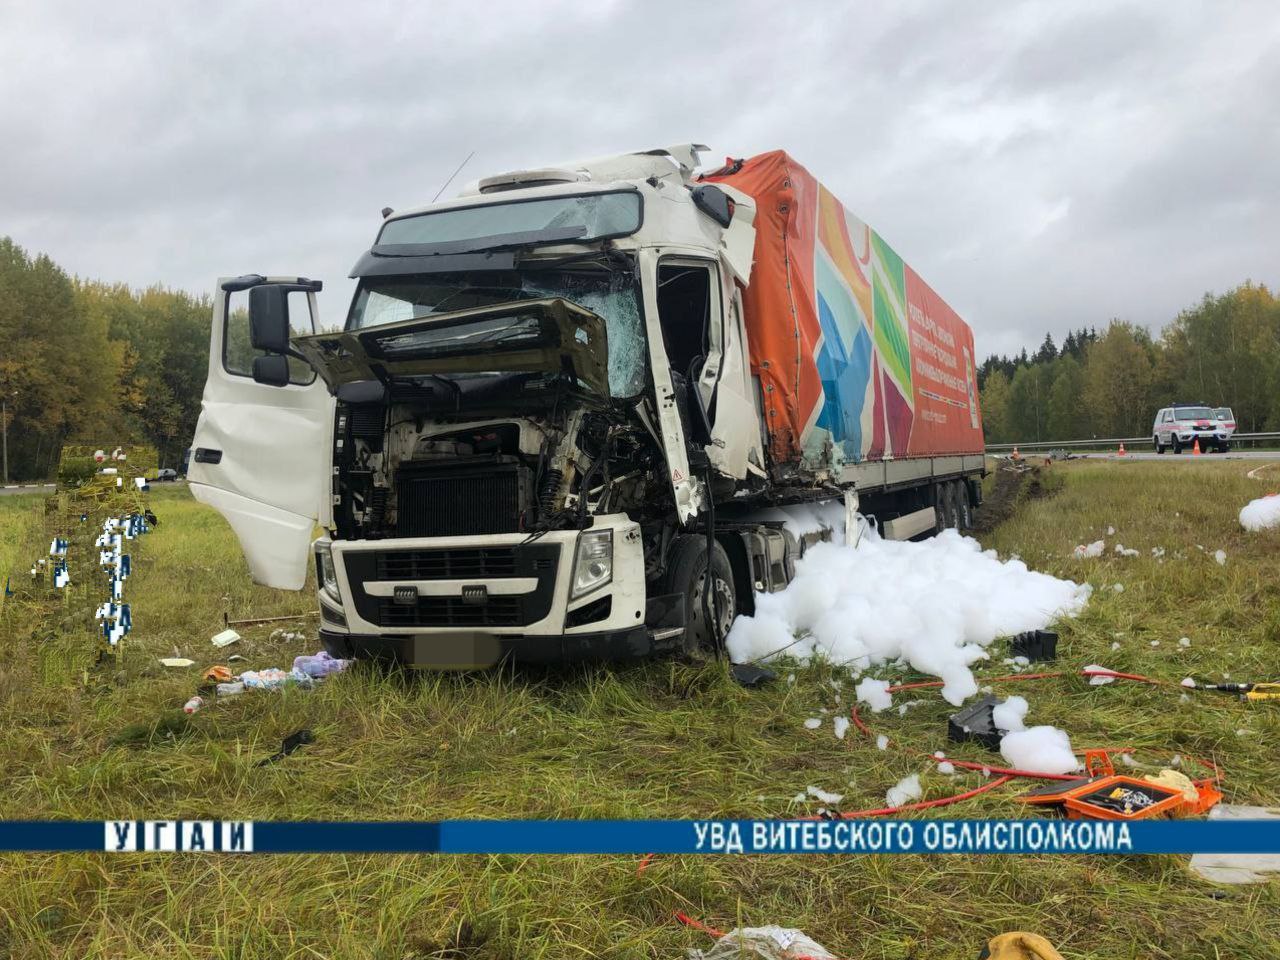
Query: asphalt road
point(24, 488)
point(1171, 456)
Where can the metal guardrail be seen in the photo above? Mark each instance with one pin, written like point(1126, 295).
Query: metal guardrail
point(1111, 442)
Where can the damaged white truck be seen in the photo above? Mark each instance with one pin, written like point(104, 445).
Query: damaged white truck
point(565, 407)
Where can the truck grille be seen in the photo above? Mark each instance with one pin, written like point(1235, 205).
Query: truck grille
point(452, 499)
point(486, 564)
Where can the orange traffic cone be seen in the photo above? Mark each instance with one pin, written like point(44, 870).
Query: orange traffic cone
point(1120, 452)
point(1196, 449)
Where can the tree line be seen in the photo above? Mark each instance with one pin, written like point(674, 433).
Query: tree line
point(81, 359)
point(1224, 351)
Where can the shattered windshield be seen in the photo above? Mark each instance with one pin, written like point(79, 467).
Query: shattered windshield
point(609, 293)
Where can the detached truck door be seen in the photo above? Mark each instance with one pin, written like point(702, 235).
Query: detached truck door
point(261, 453)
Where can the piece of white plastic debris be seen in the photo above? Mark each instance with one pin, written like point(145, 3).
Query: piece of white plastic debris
point(813, 723)
point(904, 791)
point(1115, 644)
point(1118, 588)
point(177, 662)
point(1111, 531)
point(225, 638)
point(1157, 552)
point(823, 796)
point(882, 742)
point(1221, 557)
point(1125, 551)
point(1261, 514)
point(1188, 683)
point(1155, 643)
point(841, 725)
point(1184, 642)
point(1099, 681)
point(1044, 749)
point(1094, 549)
point(763, 943)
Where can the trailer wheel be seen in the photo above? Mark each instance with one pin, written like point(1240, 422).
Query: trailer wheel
point(686, 574)
point(964, 509)
point(944, 507)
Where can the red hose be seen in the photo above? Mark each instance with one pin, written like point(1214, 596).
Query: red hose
point(931, 684)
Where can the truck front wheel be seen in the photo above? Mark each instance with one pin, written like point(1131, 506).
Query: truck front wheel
point(686, 574)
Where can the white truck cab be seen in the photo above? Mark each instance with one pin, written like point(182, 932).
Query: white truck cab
point(497, 444)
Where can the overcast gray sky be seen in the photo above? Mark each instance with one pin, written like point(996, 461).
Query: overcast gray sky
point(1043, 165)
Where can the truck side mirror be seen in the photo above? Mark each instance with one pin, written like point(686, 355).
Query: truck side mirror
point(272, 370)
point(269, 318)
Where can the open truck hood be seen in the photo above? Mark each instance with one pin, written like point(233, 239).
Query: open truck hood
point(552, 336)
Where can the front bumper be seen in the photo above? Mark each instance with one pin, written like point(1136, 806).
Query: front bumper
point(426, 598)
point(1206, 439)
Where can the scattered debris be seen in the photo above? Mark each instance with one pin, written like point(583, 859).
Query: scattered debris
point(1125, 551)
point(1221, 557)
point(763, 943)
point(232, 689)
point(1019, 945)
point(320, 665)
point(273, 678)
point(1099, 681)
point(1188, 683)
point(841, 725)
point(904, 791)
point(1184, 642)
point(217, 674)
point(192, 705)
point(176, 662)
point(225, 638)
point(822, 796)
point(975, 722)
point(1238, 867)
point(813, 723)
point(751, 675)
point(882, 742)
point(1038, 646)
point(288, 746)
point(1094, 549)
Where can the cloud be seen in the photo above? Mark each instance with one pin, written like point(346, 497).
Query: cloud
point(1043, 165)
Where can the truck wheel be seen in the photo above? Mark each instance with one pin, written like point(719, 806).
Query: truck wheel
point(944, 507)
point(964, 510)
point(686, 574)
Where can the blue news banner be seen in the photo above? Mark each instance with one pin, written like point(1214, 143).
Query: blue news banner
point(645, 836)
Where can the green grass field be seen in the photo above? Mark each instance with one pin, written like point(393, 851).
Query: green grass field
point(659, 739)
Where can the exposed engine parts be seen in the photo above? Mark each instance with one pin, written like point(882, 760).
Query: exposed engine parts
point(405, 472)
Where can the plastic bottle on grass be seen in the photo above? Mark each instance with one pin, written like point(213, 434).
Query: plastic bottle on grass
point(230, 689)
point(192, 705)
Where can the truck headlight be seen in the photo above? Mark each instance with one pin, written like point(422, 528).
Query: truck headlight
point(592, 562)
point(326, 572)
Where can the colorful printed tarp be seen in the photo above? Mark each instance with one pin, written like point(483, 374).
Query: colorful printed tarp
point(858, 358)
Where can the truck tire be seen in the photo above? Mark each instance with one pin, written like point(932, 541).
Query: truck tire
point(686, 574)
point(944, 506)
point(964, 509)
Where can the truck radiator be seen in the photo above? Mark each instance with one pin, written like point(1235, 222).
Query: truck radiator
point(459, 498)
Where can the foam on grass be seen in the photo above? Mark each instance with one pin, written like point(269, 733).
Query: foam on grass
point(904, 791)
point(1044, 749)
point(1261, 514)
point(935, 604)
